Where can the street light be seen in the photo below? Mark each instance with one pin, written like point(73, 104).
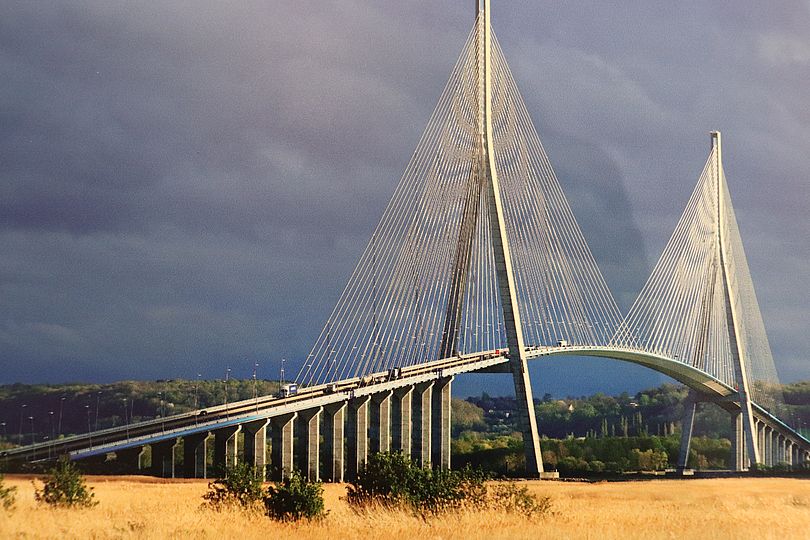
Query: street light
point(196, 385)
point(98, 402)
point(255, 390)
point(126, 420)
point(227, 376)
point(50, 421)
point(87, 409)
point(61, 403)
point(19, 435)
point(31, 418)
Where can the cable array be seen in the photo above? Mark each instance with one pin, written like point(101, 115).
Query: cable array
point(426, 286)
point(684, 313)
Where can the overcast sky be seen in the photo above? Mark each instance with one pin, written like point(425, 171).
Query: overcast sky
point(188, 185)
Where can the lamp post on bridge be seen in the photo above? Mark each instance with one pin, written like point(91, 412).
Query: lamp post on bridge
point(61, 406)
point(87, 409)
point(227, 377)
point(31, 419)
point(98, 403)
point(255, 388)
point(19, 435)
point(126, 418)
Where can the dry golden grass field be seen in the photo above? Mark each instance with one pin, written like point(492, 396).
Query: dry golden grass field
point(137, 507)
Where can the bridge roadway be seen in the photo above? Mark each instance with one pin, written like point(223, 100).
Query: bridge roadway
point(398, 420)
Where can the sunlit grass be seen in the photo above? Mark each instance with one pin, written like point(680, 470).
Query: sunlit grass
point(135, 507)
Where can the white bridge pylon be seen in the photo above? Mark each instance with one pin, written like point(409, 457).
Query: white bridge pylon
point(479, 250)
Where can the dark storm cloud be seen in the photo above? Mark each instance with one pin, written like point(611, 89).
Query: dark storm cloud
point(189, 184)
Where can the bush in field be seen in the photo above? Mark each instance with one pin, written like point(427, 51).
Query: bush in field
point(295, 498)
point(508, 497)
point(394, 480)
point(65, 486)
point(7, 495)
point(240, 486)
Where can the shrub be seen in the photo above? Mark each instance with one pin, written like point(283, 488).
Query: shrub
point(387, 478)
point(7, 495)
point(394, 480)
point(295, 498)
point(65, 486)
point(240, 486)
point(508, 497)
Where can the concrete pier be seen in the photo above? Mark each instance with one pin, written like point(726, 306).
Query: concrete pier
point(281, 433)
point(132, 457)
point(422, 401)
point(356, 435)
point(256, 445)
point(738, 459)
point(309, 443)
point(334, 419)
point(687, 425)
point(401, 414)
point(380, 422)
point(226, 448)
point(440, 422)
point(195, 455)
point(163, 458)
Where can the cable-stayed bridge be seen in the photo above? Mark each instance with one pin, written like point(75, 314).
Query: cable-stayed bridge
point(478, 265)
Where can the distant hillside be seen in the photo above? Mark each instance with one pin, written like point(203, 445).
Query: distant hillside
point(87, 406)
point(656, 411)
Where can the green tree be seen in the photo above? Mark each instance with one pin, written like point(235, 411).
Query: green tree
point(65, 486)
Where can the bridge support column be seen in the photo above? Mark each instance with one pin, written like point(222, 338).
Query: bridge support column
point(687, 424)
point(357, 435)
point(281, 433)
point(401, 406)
point(309, 443)
point(380, 424)
point(441, 410)
point(783, 450)
point(423, 399)
point(163, 458)
point(738, 458)
point(768, 446)
point(195, 455)
point(226, 448)
point(256, 445)
point(136, 456)
point(333, 426)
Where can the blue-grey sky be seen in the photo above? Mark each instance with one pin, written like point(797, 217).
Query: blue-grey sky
point(188, 185)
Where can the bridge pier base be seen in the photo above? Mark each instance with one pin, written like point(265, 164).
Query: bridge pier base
point(256, 445)
point(226, 448)
point(309, 443)
point(163, 454)
point(401, 427)
point(423, 399)
point(357, 435)
point(380, 423)
point(441, 410)
point(334, 420)
point(687, 425)
point(738, 458)
point(281, 428)
point(195, 455)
